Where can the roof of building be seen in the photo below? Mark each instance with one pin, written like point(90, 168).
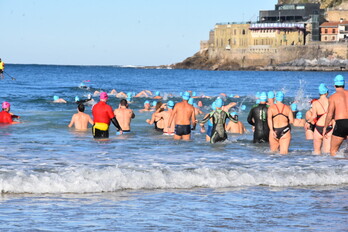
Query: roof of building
point(334, 24)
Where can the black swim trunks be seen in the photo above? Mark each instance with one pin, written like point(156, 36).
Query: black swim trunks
point(100, 134)
point(182, 130)
point(341, 128)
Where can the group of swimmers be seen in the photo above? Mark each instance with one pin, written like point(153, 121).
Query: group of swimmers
point(326, 122)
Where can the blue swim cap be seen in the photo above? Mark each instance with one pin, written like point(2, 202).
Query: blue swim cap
point(280, 96)
point(191, 101)
point(77, 99)
point(323, 89)
point(263, 96)
point(129, 94)
point(270, 94)
point(154, 103)
point(234, 114)
point(157, 93)
point(170, 104)
point(129, 99)
point(299, 115)
point(258, 101)
point(55, 98)
point(293, 106)
point(195, 105)
point(146, 102)
point(186, 96)
point(213, 106)
point(180, 93)
point(243, 107)
point(219, 103)
point(339, 80)
point(194, 94)
point(231, 95)
point(257, 95)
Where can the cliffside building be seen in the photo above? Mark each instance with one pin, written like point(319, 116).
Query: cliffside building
point(309, 13)
point(277, 34)
point(334, 31)
point(231, 35)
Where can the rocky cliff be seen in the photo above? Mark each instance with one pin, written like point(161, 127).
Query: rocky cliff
point(324, 3)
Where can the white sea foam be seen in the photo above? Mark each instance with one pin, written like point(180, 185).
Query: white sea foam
point(85, 180)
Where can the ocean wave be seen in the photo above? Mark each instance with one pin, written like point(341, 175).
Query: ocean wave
point(87, 180)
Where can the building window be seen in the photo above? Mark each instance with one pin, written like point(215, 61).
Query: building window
point(333, 37)
point(333, 31)
point(243, 32)
point(325, 30)
point(325, 38)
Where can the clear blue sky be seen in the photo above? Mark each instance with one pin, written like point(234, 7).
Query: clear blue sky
point(113, 32)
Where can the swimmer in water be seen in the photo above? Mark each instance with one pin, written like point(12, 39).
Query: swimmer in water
point(147, 107)
point(56, 99)
point(81, 119)
point(210, 125)
point(270, 98)
point(219, 118)
point(309, 127)
point(258, 119)
point(321, 143)
point(5, 116)
point(144, 93)
point(338, 110)
point(124, 115)
point(299, 121)
point(279, 119)
point(102, 115)
point(183, 115)
point(165, 115)
point(235, 127)
point(157, 118)
point(192, 103)
point(84, 101)
point(157, 95)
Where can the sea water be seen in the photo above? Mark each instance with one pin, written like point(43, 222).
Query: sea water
point(53, 178)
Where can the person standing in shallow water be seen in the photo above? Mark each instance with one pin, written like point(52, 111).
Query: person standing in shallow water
point(321, 143)
point(81, 119)
point(102, 115)
point(279, 117)
point(124, 115)
point(338, 110)
point(183, 115)
point(258, 118)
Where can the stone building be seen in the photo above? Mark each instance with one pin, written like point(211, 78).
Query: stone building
point(277, 34)
point(232, 35)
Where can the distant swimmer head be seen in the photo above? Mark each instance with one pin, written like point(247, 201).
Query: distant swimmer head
point(263, 97)
point(77, 99)
point(219, 103)
point(257, 95)
point(293, 106)
point(186, 96)
point(157, 93)
point(146, 102)
point(6, 105)
point(323, 89)
point(270, 94)
point(55, 98)
point(299, 115)
point(339, 80)
point(154, 103)
point(213, 105)
point(243, 107)
point(191, 101)
point(234, 114)
point(170, 104)
point(104, 96)
point(194, 94)
point(280, 96)
point(129, 94)
point(258, 101)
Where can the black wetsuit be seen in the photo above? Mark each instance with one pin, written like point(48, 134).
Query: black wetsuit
point(219, 118)
point(258, 117)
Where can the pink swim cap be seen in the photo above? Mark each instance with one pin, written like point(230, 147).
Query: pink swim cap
point(103, 96)
point(6, 105)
